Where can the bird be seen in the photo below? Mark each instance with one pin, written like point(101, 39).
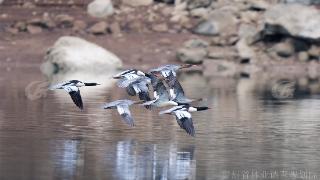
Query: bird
point(123, 109)
point(139, 85)
point(72, 87)
point(183, 116)
point(165, 70)
point(126, 75)
point(160, 93)
point(176, 91)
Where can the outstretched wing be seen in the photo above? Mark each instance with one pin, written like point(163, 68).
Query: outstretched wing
point(175, 89)
point(125, 114)
point(184, 120)
point(74, 92)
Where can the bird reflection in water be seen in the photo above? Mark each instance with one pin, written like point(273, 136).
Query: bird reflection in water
point(67, 161)
point(148, 161)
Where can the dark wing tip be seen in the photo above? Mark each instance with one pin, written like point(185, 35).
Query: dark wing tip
point(187, 125)
point(128, 119)
point(76, 98)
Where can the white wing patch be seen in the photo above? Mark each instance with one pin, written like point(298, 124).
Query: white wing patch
point(136, 88)
point(172, 93)
point(131, 76)
point(121, 110)
point(70, 88)
point(155, 95)
point(182, 114)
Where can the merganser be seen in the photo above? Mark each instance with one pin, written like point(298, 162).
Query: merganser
point(176, 91)
point(123, 109)
point(170, 68)
point(183, 116)
point(160, 93)
point(72, 87)
point(139, 85)
point(128, 75)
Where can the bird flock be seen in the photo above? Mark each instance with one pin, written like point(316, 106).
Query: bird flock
point(167, 91)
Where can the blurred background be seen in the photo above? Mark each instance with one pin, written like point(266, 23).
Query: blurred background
point(259, 73)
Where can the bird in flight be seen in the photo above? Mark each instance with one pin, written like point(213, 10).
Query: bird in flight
point(72, 87)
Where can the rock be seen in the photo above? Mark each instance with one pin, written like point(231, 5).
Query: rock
point(283, 19)
point(73, 54)
point(163, 27)
point(199, 12)
point(98, 28)
point(284, 49)
point(100, 8)
point(219, 23)
point(303, 56)
point(196, 43)
point(222, 53)
point(165, 1)
point(1, 1)
point(244, 50)
point(192, 4)
point(79, 25)
point(64, 20)
point(34, 29)
point(137, 2)
point(248, 32)
point(115, 28)
point(12, 30)
point(305, 2)
point(314, 52)
point(21, 26)
point(259, 5)
point(191, 55)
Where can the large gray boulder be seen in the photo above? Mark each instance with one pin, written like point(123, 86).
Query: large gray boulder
point(293, 20)
point(73, 54)
point(219, 22)
point(100, 8)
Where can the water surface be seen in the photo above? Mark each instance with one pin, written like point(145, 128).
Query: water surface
point(245, 135)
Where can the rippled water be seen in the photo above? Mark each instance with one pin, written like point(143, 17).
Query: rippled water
point(244, 136)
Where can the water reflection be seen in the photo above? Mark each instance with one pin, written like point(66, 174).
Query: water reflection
point(245, 131)
point(154, 162)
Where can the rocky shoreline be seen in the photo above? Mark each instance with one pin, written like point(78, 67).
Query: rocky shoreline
point(227, 37)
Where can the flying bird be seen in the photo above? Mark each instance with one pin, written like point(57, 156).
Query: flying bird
point(72, 87)
point(160, 93)
point(122, 107)
point(128, 75)
point(170, 68)
point(176, 91)
point(183, 116)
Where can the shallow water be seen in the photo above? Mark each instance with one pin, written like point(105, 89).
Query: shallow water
point(244, 136)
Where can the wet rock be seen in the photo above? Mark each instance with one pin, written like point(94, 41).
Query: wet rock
point(244, 50)
point(137, 2)
point(191, 55)
point(100, 8)
point(305, 2)
point(64, 20)
point(283, 19)
point(98, 28)
point(73, 54)
point(196, 43)
point(192, 4)
point(303, 56)
point(284, 49)
point(79, 25)
point(163, 27)
point(219, 23)
point(34, 29)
